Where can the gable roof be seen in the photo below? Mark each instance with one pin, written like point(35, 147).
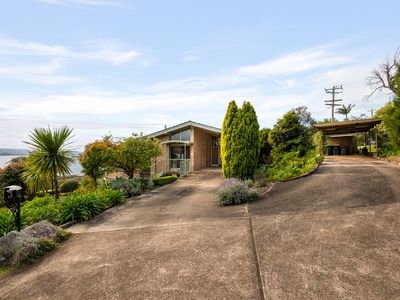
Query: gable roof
point(185, 125)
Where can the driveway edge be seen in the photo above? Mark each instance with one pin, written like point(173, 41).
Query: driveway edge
point(254, 246)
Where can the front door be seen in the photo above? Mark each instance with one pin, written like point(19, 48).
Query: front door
point(215, 152)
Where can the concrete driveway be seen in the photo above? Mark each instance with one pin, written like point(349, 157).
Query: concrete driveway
point(330, 235)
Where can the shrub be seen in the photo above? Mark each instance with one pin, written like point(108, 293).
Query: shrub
point(164, 180)
point(39, 209)
point(235, 191)
point(130, 187)
point(7, 222)
point(111, 197)
point(80, 208)
point(150, 185)
point(291, 165)
point(69, 186)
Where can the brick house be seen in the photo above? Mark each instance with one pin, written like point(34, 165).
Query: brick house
point(187, 147)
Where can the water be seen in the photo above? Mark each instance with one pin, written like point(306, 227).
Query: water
point(76, 167)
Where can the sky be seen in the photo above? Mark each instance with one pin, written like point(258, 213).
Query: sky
point(121, 67)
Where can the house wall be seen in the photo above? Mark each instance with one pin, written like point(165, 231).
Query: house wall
point(160, 162)
point(201, 150)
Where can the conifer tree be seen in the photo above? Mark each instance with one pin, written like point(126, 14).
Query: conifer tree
point(226, 138)
point(240, 143)
point(246, 143)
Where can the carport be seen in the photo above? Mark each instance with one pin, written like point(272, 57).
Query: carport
point(340, 137)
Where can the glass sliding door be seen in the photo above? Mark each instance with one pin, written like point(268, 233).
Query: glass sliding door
point(178, 154)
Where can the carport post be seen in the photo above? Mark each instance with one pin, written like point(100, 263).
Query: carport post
point(376, 141)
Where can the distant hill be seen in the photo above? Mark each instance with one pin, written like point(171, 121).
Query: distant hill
point(13, 152)
point(9, 151)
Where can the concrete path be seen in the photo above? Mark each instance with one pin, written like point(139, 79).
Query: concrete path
point(330, 235)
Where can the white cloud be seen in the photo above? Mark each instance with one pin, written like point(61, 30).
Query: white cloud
point(102, 52)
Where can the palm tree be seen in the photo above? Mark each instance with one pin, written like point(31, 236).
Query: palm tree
point(345, 110)
point(50, 156)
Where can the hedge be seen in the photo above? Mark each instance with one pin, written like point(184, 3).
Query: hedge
point(164, 180)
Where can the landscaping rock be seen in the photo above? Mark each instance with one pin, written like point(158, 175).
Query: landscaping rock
point(42, 229)
point(15, 246)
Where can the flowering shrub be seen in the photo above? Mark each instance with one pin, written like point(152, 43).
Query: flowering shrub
point(235, 191)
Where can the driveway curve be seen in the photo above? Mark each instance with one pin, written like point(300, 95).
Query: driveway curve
point(334, 234)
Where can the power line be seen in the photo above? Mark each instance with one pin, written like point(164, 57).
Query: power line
point(336, 89)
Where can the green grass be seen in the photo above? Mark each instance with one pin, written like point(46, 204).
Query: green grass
point(4, 271)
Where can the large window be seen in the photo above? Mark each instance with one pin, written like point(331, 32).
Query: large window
point(178, 152)
point(182, 135)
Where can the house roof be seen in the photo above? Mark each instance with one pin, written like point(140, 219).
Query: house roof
point(347, 126)
point(185, 125)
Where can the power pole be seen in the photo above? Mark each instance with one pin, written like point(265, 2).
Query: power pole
point(336, 89)
point(372, 112)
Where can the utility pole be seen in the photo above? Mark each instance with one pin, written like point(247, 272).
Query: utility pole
point(372, 112)
point(336, 89)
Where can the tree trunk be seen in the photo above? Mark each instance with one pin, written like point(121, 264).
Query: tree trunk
point(56, 193)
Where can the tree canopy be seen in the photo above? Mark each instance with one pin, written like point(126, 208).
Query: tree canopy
point(289, 134)
point(134, 154)
point(96, 159)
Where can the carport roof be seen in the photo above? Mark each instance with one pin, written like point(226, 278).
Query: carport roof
point(347, 126)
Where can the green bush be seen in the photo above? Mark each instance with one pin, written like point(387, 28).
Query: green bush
point(235, 191)
point(164, 180)
point(130, 187)
point(111, 197)
point(291, 164)
point(81, 207)
point(146, 184)
point(7, 222)
point(39, 209)
point(69, 186)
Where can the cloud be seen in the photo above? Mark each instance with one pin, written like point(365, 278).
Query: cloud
point(105, 51)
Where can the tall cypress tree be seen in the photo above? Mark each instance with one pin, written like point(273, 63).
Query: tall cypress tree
point(226, 139)
point(246, 142)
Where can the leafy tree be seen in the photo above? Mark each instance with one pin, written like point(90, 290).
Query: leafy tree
point(50, 156)
point(265, 146)
point(226, 139)
point(305, 116)
point(11, 174)
point(289, 134)
point(391, 120)
point(96, 159)
point(345, 110)
point(134, 154)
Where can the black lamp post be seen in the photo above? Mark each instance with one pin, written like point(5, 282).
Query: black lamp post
point(13, 195)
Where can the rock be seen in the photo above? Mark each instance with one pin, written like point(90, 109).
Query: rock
point(15, 246)
point(42, 229)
